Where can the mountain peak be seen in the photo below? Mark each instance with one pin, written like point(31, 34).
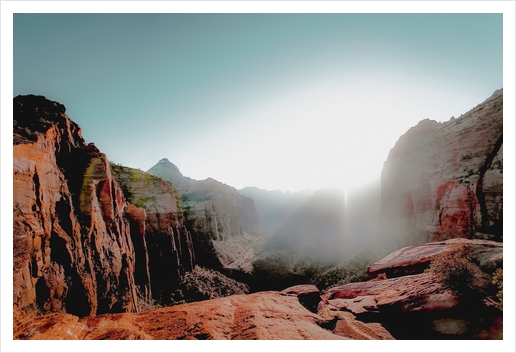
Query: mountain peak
point(165, 161)
point(166, 170)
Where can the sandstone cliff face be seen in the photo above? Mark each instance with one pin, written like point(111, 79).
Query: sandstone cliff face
point(445, 180)
point(218, 212)
point(72, 246)
point(164, 245)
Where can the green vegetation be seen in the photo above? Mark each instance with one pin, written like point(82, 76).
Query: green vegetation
point(128, 177)
point(497, 280)
point(349, 272)
point(277, 274)
point(455, 270)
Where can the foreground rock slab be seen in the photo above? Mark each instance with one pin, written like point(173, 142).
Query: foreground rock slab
point(266, 315)
point(416, 258)
point(412, 304)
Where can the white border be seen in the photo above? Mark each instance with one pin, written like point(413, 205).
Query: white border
point(10, 7)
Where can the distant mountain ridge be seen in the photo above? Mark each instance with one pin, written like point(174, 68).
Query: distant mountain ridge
point(275, 206)
point(227, 219)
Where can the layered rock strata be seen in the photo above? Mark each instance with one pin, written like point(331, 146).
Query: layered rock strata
point(445, 180)
point(417, 258)
point(264, 316)
point(73, 250)
point(412, 303)
point(223, 221)
point(165, 246)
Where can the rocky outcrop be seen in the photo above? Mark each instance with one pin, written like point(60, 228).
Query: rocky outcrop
point(444, 180)
point(73, 250)
point(264, 316)
point(414, 304)
point(309, 295)
point(163, 243)
point(411, 306)
point(223, 221)
point(416, 258)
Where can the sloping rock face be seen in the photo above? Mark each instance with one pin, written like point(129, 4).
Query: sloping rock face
point(416, 258)
point(309, 295)
point(444, 180)
point(222, 220)
point(72, 245)
point(265, 316)
point(165, 248)
point(414, 305)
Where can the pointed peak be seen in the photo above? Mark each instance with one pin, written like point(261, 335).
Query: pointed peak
point(164, 161)
point(166, 170)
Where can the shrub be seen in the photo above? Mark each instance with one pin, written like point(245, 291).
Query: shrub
point(498, 282)
point(455, 270)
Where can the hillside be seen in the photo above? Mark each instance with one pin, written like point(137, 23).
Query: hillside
point(225, 219)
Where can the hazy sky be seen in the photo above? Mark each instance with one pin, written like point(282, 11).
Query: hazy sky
point(277, 101)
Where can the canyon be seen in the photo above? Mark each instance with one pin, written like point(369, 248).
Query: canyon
point(227, 220)
point(99, 248)
point(412, 305)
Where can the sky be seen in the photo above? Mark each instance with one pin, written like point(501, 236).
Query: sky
point(277, 101)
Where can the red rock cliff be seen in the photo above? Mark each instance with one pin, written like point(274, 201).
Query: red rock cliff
point(73, 250)
point(444, 180)
point(165, 244)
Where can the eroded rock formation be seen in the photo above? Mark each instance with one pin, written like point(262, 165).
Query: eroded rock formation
point(228, 221)
point(72, 246)
point(416, 258)
point(445, 180)
point(414, 304)
point(165, 246)
point(265, 316)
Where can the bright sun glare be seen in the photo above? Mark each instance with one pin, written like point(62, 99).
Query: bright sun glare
point(326, 134)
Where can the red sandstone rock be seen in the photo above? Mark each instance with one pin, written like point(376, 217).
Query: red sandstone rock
point(309, 295)
point(416, 258)
point(265, 315)
point(407, 293)
point(256, 316)
point(415, 304)
point(444, 180)
point(227, 218)
point(72, 247)
point(165, 241)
